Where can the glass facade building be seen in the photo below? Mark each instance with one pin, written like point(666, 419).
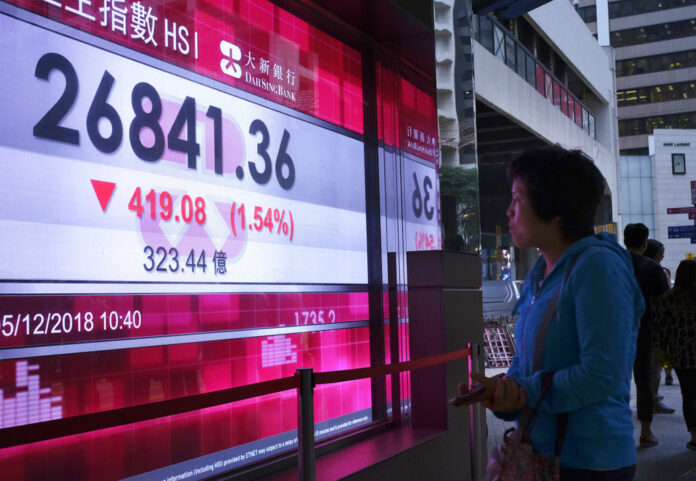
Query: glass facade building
point(656, 84)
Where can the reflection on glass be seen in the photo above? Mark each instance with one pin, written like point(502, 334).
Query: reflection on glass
point(585, 121)
point(510, 52)
point(460, 208)
point(485, 33)
point(591, 126)
point(499, 43)
point(531, 79)
point(521, 63)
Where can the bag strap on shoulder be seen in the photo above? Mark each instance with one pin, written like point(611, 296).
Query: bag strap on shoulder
point(529, 416)
point(548, 315)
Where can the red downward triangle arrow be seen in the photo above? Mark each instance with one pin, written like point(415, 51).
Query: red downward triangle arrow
point(104, 190)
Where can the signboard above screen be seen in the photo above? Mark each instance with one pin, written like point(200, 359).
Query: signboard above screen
point(119, 172)
point(252, 45)
point(407, 116)
point(418, 122)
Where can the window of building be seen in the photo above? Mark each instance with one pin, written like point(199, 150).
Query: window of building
point(543, 52)
point(656, 63)
point(626, 8)
point(576, 86)
point(525, 33)
point(499, 43)
point(510, 52)
point(559, 67)
point(588, 14)
point(585, 121)
point(653, 33)
point(645, 125)
point(485, 32)
point(591, 125)
point(540, 82)
point(657, 93)
point(521, 62)
point(532, 76)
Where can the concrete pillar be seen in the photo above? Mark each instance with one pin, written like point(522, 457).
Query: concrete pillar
point(446, 314)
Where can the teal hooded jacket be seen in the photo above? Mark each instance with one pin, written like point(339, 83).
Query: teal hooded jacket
point(590, 345)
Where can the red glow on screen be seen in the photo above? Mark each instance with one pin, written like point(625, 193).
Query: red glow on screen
point(45, 320)
point(406, 116)
point(93, 382)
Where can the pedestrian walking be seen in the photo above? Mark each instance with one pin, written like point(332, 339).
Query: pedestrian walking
point(675, 329)
point(652, 282)
point(656, 252)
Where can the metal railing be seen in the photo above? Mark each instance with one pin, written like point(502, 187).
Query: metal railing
point(304, 381)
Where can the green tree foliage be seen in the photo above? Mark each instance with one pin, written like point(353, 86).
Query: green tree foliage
point(460, 205)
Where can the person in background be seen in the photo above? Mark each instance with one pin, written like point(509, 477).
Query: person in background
point(675, 332)
point(590, 344)
point(656, 252)
point(668, 369)
point(652, 283)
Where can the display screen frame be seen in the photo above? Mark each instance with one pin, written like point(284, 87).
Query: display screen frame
point(376, 316)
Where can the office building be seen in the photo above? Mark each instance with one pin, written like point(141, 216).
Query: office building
point(655, 47)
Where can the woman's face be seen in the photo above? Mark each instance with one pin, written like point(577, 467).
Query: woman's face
point(526, 227)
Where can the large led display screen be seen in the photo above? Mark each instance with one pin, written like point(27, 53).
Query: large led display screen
point(137, 175)
point(184, 212)
point(183, 192)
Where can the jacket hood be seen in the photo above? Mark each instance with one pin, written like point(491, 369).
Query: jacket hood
point(602, 240)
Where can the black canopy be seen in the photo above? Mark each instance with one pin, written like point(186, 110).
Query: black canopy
point(506, 8)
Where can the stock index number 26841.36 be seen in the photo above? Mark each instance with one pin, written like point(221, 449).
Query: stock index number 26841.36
point(146, 106)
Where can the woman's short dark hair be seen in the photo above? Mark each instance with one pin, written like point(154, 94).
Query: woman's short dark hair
point(561, 183)
point(685, 279)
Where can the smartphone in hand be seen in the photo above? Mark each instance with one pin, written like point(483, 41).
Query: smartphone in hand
point(477, 393)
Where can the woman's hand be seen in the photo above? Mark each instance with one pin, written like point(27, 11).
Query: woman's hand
point(503, 394)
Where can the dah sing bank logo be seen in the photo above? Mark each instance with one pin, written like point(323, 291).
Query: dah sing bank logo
point(231, 51)
point(258, 71)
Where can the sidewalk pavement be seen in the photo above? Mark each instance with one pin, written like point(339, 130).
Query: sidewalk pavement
point(670, 460)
